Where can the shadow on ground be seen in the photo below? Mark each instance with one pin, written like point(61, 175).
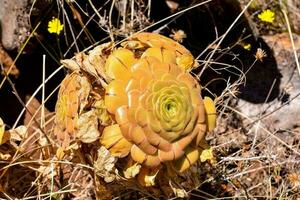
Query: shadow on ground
point(204, 24)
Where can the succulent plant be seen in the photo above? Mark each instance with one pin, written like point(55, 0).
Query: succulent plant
point(72, 98)
point(156, 103)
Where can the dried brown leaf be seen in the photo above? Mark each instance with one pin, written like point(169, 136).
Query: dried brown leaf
point(87, 127)
point(104, 165)
point(103, 116)
point(70, 64)
point(4, 135)
point(9, 66)
point(20, 133)
point(147, 176)
point(132, 169)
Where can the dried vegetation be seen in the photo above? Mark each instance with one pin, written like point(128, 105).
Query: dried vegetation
point(247, 66)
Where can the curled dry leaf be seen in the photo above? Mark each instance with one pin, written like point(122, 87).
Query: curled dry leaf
point(87, 127)
point(103, 116)
point(105, 165)
point(70, 64)
point(132, 169)
point(19, 133)
point(93, 63)
point(4, 135)
point(147, 176)
point(5, 156)
point(179, 192)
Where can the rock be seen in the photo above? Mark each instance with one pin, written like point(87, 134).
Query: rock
point(293, 7)
point(14, 16)
point(283, 111)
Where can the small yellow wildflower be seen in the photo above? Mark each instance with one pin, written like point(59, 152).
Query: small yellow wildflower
point(54, 26)
point(247, 46)
point(267, 16)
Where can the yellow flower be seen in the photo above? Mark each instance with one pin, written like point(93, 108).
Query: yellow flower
point(247, 47)
point(267, 16)
point(54, 26)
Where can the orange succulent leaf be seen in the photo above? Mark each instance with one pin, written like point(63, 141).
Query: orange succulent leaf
point(211, 113)
point(186, 62)
point(183, 58)
point(191, 156)
point(163, 55)
point(118, 64)
point(113, 140)
point(157, 40)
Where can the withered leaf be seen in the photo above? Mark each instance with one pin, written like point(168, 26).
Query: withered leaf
point(103, 116)
point(104, 165)
point(87, 127)
point(4, 135)
point(132, 169)
point(147, 176)
point(19, 133)
point(70, 64)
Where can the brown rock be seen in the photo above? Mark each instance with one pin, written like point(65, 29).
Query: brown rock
point(282, 112)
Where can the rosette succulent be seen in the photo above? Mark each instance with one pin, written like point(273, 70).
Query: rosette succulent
point(156, 103)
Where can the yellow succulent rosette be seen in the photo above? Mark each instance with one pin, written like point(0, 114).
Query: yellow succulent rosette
point(156, 103)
